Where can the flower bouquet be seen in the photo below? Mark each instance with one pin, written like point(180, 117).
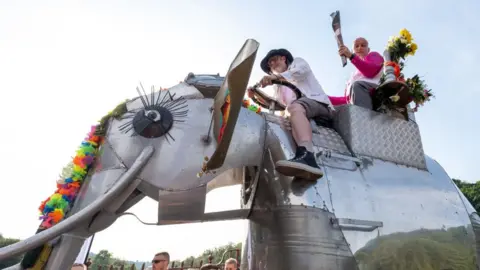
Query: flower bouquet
point(395, 92)
point(419, 93)
point(401, 46)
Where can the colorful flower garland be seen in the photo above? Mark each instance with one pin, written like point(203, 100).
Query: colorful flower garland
point(57, 205)
point(54, 209)
point(252, 107)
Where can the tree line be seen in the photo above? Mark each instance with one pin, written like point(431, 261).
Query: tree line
point(471, 192)
point(216, 253)
point(106, 258)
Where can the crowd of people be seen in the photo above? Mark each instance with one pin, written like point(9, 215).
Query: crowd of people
point(161, 261)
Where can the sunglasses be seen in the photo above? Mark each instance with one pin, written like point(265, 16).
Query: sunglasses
point(157, 261)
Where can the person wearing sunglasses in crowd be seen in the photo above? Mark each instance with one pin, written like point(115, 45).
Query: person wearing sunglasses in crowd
point(160, 261)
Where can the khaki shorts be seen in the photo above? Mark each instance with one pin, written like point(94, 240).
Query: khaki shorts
point(315, 109)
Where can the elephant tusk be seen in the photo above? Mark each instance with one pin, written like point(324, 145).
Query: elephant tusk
point(70, 223)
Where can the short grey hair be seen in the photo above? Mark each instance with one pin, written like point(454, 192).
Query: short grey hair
point(231, 261)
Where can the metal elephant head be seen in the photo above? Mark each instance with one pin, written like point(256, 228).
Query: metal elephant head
point(172, 122)
point(191, 134)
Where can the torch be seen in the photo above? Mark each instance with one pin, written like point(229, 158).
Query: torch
point(337, 29)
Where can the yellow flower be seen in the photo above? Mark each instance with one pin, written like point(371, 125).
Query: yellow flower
point(405, 34)
point(413, 49)
point(395, 98)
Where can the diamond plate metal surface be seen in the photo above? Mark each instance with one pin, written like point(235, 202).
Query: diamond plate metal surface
point(377, 135)
point(322, 137)
point(328, 138)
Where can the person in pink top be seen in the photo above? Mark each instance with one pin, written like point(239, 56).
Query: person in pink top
point(365, 79)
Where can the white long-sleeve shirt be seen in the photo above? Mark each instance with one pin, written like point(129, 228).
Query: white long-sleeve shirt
point(300, 75)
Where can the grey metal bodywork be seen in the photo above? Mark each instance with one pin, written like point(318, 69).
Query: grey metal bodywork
point(375, 208)
point(382, 209)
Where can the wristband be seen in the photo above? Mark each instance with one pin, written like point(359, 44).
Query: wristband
point(352, 56)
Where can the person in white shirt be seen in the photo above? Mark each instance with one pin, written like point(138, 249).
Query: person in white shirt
point(279, 64)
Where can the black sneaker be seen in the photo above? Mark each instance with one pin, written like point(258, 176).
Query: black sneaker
point(303, 165)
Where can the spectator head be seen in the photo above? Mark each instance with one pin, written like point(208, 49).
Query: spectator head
point(79, 266)
point(160, 261)
point(230, 264)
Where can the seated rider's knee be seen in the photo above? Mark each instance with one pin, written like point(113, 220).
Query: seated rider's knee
point(361, 94)
point(357, 86)
point(295, 108)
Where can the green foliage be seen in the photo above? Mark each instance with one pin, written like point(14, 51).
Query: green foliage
point(120, 262)
point(106, 258)
point(117, 113)
point(103, 258)
point(12, 261)
point(217, 254)
point(471, 192)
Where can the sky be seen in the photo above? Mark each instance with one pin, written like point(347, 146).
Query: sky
point(65, 64)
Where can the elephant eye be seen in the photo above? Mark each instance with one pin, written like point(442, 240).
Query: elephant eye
point(156, 119)
point(152, 122)
point(153, 115)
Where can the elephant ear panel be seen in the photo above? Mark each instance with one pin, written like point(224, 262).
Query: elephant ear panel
point(228, 101)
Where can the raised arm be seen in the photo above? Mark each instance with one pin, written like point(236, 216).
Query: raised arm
point(297, 71)
point(370, 65)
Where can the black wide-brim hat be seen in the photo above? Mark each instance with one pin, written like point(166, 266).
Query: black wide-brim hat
point(270, 54)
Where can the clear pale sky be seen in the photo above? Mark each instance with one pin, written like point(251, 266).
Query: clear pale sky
point(64, 64)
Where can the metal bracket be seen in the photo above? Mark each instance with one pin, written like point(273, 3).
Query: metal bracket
point(349, 224)
point(330, 154)
point(208, 217)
